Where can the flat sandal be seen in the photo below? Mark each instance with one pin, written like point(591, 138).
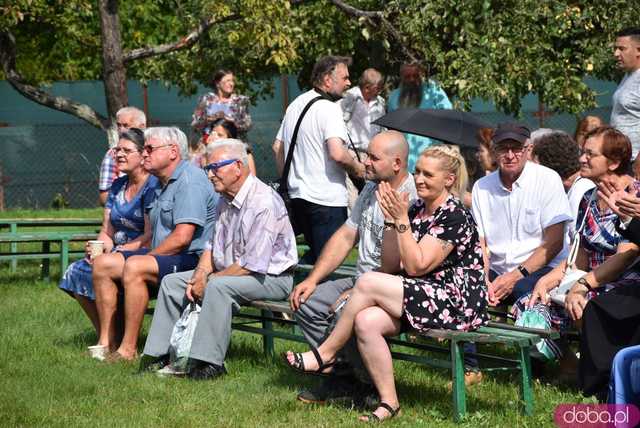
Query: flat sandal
point(373, 418)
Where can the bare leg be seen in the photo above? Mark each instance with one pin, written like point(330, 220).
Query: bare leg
point(107, 274)
point(371, 327)
point(89, 308)
point(371, 289)
point(138, 272)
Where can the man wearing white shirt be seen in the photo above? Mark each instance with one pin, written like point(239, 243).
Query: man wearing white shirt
point(362, 105)
point(520, 210)
point(316, 181)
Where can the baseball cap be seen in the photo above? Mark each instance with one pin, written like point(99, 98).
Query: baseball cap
point(511, 131)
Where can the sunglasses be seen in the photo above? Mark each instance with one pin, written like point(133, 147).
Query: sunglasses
point(215, 166)
point(151, 149)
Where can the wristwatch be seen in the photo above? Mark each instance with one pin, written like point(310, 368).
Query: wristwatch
point(523, 270)
point(401, 228)
point(389, 225)
point(584, 282)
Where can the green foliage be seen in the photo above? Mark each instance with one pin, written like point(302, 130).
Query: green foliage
point(498, 50)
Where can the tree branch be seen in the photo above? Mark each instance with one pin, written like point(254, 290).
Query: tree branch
point(8, 61)
point(377, 15)
point(185, 42)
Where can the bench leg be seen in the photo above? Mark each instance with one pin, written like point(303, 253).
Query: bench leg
point(267, 338)
point(64, 256)
point(44, 274)
point(457, 381)
point(526, 392)
point(13, 228)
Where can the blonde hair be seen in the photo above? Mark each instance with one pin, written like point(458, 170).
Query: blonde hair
point(453, 162)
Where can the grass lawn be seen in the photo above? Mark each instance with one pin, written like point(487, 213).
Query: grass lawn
point(46, 379)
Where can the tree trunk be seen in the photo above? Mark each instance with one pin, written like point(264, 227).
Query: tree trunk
point(114, 72)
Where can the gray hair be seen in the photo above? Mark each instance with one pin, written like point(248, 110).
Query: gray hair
point(370, 76)
point(327, 65)
point(231, 146)
point(169, 135)
point(539, 133)
point(139, 116)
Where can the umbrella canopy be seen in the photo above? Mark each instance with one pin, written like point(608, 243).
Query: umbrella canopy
point(450, 126)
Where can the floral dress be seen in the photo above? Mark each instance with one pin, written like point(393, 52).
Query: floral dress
point(235, 109)
point(454, 295)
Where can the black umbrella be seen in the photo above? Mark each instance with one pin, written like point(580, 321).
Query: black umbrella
point(450, 126)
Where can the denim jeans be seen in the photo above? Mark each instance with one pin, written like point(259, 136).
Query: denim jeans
point(317, 223)
point(522, 287)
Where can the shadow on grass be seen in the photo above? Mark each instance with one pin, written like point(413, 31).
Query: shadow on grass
point(415, 394)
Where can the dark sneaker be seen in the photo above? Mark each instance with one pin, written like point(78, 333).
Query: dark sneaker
point(153, 364)
point(202, 370)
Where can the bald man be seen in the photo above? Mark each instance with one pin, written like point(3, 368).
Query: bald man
point(362, 105)
point(313, 302)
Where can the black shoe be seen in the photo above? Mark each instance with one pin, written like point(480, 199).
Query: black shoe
point(201, 370)
point(149, 363)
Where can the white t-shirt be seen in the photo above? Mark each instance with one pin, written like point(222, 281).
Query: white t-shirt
point(358, 115)
point(513, 222)
point(367, 217)
point(314, 176)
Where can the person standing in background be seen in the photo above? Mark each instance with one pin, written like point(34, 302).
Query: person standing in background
point(625, 110)
point(415, 92)
point(222, 103)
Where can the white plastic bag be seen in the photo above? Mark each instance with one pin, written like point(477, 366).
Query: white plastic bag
point(182, 336)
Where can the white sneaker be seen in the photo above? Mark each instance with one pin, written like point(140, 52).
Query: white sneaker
point(169, 370)
point(99, 352)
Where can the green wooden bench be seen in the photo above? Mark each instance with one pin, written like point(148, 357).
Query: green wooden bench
point(18, 225)
point(46, 253)
point(495, 333)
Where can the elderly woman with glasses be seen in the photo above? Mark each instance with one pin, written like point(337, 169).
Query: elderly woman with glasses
point(124, 225)
point(603, 252)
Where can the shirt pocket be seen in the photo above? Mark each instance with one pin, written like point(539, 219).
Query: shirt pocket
point(531, 222)
point(166, 213)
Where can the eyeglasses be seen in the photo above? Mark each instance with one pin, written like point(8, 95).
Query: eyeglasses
point(516, 150)
point(215, 166)
point(589, 154)
point(126, 152)
point(150, 149)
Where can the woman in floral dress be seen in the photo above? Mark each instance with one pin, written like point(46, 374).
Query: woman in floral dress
point(222, 103)
point(431, 276)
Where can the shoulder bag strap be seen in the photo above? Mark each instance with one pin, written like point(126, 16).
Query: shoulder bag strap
point(575, 243)
point(287, 164)
point(353, 147)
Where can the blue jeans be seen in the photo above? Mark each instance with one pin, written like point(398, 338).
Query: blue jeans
point(317, 223)
point(522, 287)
